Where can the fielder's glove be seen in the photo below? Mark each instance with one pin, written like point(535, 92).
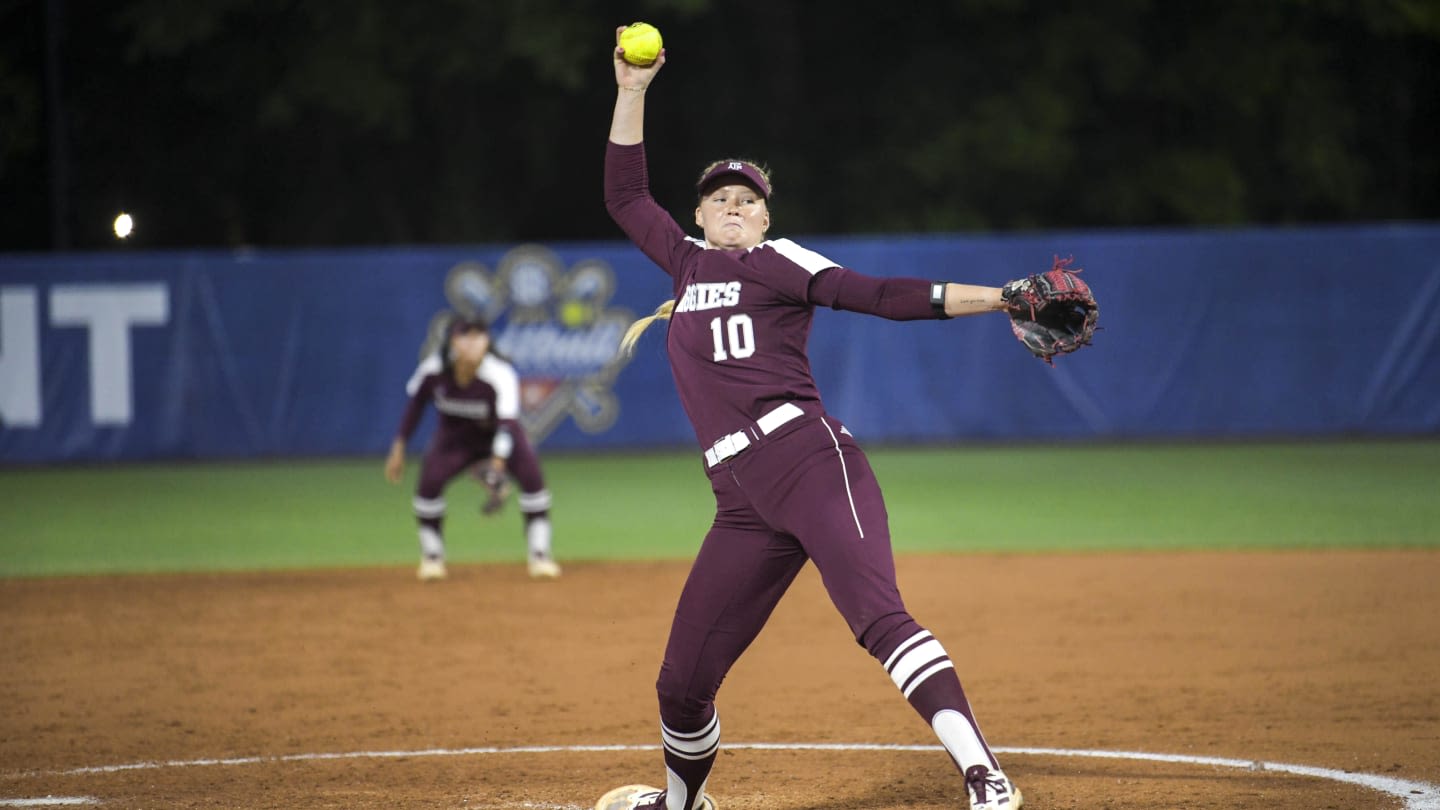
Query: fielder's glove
point(497, 489)
point(1051, 313)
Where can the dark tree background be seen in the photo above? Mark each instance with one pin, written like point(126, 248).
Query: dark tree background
point(356, 122)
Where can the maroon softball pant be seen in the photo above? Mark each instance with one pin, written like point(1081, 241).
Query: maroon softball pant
point(804, 493)
point(449, 455)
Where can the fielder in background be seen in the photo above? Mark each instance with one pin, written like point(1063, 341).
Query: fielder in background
point(477, 394)
point(790, 482)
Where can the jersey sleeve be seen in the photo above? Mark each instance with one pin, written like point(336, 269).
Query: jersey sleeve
point(790, 269)
point(502, 376)
point(898, 299)
point(432, 364)
point(420, 395)
point(627, 198)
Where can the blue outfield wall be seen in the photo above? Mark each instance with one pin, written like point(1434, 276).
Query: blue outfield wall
point(1235, 333)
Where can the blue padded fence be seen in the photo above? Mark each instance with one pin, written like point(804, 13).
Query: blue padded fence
point(1235, 333)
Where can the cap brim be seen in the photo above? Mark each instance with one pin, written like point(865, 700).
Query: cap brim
point(731, 178)
point(732, 172)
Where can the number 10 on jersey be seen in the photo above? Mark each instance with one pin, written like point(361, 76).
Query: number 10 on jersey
point(736, 333)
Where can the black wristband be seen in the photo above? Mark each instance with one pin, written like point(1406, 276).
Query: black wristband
point(937, 299)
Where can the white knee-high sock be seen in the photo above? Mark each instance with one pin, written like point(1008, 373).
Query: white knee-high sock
point(925, 675)
point(688, 759)
point(537, 535)
point(961, 739)
point(432, 545)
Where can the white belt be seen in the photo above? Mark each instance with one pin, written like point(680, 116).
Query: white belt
point(727, 447)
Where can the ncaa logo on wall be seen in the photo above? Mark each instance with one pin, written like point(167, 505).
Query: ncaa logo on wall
point(554, 325)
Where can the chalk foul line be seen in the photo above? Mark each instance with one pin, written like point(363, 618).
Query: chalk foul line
point(1416, 795)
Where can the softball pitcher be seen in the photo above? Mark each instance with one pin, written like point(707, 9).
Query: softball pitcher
point(791, 484)
point(477, 395)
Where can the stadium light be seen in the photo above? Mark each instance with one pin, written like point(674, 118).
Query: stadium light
point(124, 225)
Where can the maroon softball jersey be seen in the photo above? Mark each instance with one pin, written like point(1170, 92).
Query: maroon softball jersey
point(738, 335)
point(469, 416)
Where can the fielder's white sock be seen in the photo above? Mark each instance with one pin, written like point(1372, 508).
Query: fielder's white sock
point(432, 546)
point(537, 536)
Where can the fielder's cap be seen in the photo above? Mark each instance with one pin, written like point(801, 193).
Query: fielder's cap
point(460, 324)
point(732, 170)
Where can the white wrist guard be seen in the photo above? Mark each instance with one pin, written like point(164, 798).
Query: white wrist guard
point(503, 445)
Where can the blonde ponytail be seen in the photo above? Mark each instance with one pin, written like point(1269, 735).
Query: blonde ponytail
point(632, 335)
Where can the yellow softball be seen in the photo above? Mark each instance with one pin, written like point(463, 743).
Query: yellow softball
point(642, 43)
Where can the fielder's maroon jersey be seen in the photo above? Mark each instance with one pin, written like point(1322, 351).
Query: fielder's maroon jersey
point(737, 338)
point(469, 414)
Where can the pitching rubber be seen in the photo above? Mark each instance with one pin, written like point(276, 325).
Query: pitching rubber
point(623, 798)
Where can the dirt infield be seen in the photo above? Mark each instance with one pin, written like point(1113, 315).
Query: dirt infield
point(366, 689)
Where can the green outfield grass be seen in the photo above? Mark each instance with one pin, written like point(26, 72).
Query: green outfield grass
point(206, 516)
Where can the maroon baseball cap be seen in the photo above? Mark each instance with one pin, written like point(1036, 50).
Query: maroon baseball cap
point(460, 324)
point(742, 170)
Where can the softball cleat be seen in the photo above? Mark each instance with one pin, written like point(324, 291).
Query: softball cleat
point(543, 568)
point(991, 790)
point(431, 570)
